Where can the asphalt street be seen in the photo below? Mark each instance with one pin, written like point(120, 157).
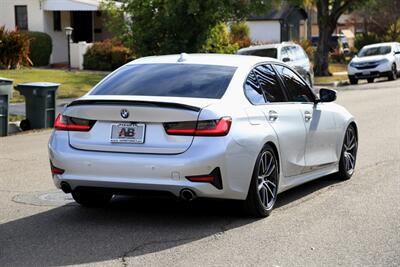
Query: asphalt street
point(322, 223)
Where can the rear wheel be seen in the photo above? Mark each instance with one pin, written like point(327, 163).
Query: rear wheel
point(393, 73)
point(348, 157)
point(89, 197)
point(370, 80)
point(263, 188)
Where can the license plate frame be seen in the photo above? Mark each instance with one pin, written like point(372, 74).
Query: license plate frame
point(138, 137)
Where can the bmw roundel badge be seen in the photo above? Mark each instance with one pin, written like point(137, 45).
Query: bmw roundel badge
point(124, 113)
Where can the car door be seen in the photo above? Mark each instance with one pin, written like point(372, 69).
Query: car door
point(318, 120)
point(264, 89)
point(397, 56)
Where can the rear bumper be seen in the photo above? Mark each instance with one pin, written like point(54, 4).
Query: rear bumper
point(155, 172)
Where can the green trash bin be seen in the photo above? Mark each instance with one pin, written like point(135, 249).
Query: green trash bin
point(40, 102)
point(5, 97)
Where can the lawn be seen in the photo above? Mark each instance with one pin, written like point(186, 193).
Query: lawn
point(73, 83)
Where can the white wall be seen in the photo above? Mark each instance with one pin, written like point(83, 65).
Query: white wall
point(265, 31)
point(35, 14)
point(60, 49)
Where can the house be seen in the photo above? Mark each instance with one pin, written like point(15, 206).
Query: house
point(277, 25)
point(52, 16)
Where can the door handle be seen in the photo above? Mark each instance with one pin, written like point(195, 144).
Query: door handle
point(272, 115)
point(307, 116)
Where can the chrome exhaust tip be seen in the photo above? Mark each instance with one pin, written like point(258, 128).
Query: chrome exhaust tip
point(187, 194)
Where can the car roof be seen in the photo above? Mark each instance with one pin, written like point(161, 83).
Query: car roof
point(381, 44)
point(206, 59)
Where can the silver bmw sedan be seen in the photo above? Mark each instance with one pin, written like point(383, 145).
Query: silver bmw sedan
point(201, 125)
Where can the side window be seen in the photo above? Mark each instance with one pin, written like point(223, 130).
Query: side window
point(269, 83)
point(297, 88)
point(253, 91)
point(293, 53)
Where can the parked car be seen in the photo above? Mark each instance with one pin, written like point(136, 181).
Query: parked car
point(374, 61)
point(216, 126)
point(338, 44)
point(290, 53)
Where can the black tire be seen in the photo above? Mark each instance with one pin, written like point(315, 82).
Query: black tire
point(255, 203)
point(89, 197)
point(347, 162)
point(353, 80)
point(393, 73)
point(25, 125)
point(370, 80)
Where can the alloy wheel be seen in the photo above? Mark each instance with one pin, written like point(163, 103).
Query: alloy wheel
point(394, 71)
point(350, 150)
point(267, 179)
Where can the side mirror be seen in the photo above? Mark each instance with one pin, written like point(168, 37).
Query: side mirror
point(285, 59)
point(327, 95)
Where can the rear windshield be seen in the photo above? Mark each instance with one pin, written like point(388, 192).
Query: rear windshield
point(173, 80)
point(269, 52)
point(374, 51)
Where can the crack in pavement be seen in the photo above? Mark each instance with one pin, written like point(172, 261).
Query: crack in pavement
point(142, 246)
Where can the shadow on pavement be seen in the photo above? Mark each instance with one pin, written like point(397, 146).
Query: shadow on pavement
point(128, 226)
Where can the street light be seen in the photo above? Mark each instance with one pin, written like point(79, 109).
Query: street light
point(68, 32)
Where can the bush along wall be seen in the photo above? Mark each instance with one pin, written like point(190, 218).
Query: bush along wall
point(106, 56)
point(40, 48)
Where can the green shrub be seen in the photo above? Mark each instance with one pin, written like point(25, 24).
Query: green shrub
point(219, 41)
point(240, 34)
point(40, 48)
point(106, 55)
point(14, 49)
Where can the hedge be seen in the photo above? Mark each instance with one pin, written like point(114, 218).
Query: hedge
point(40, 48)
point(106, 56)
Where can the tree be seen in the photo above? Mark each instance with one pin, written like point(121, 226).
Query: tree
point(156, 27)
point(382, 18)
point(329, 12)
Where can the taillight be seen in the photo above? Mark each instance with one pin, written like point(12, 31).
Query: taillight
point(66, 123)
point(55, 170)
point(219, 127)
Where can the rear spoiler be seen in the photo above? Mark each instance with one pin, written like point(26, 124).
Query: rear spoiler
point(133, 103)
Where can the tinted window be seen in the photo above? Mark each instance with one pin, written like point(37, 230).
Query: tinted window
point(269, 52)
point(252, 90)
point(269, 83)
point(175, 80)
point(297, 89)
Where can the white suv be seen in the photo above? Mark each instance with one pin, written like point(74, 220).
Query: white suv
point(373, 61)
point(288, 52)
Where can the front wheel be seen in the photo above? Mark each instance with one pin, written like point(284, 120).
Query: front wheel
point(263, 188)
point(348, 156)
point(353, 80)
point(393, 73)
point(90, 197)
point(370, 80)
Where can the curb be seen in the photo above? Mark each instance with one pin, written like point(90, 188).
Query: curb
point(333, 84)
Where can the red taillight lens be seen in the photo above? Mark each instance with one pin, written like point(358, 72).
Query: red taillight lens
point(66, 123)
point(55, 170)
point(219, 127)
